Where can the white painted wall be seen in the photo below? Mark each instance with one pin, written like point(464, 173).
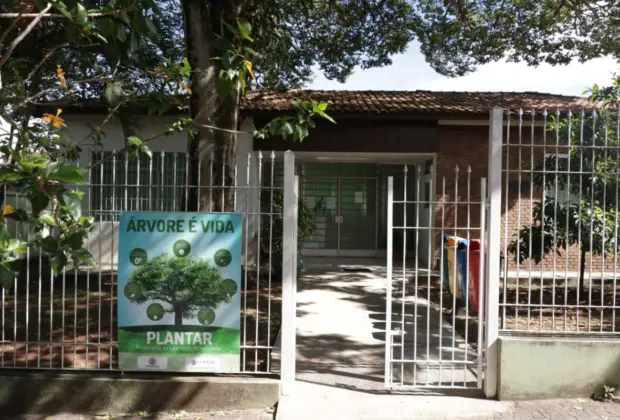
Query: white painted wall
point(103, 241)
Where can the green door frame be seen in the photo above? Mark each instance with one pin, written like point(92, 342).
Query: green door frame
point(338, 251)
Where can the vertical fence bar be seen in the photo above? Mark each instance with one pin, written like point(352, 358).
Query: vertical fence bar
point(579, 237)
point(246, 257)
point(530, 222)
point(269, 271)
point(101, 221)
point(258, 232)
point(388, 298)
point(617, 181)
point(555, 218)
point(518, 206)
point(455, 278)
point(404, 279)
point(442, 268)
point(602, 234)
point(592, 188)
point(287, 373)
point(418, 175)
point(494, 229)
point(567, 220)
point(481, 279)
point(506, 211)
point(430, 200)
point(542, 222)
point(112, 275)
point(466, 291)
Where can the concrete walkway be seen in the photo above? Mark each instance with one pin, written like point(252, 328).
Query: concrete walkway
point(341, 347)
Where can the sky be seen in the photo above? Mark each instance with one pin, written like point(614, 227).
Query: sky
point(409, 71)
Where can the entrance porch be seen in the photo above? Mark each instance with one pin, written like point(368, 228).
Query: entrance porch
point(347, 195)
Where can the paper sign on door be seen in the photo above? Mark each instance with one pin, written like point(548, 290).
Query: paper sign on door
point(359, 197)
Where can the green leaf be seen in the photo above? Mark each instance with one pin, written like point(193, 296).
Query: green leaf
point(72, 203)
point(58, 261)
point(62, 8)
point(75, 240)
point(35, 162)
point(49, 244)
point(16, 246)
point(9, 175)
point(62, 172)
point(7, 278)
point(47, 218)
point(134, 141)
point(245, 29)
point(327, 117)
point(38, 202)
point(232, 30)
point(107, 27)
point(121, 33)
point(5, 236)
point(251, 51)
point(151, 27)
point(82, 15)
point(223, 44)
point(82, 257)
point(86, 221)
point(146, 150)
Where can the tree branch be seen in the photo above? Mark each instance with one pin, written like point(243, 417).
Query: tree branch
point(23, 35)
point(46, 15)
point(10, 28)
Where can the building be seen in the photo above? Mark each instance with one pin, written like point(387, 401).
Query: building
point(440, 137)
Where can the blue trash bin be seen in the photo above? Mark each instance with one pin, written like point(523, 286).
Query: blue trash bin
point(456, 262)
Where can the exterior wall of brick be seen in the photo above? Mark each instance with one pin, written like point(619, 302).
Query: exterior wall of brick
point(467, 146)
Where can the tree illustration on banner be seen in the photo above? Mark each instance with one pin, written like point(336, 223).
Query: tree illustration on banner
point(186, 287)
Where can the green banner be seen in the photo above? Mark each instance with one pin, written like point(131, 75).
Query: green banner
point(179, 282)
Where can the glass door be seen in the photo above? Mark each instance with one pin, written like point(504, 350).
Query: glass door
point(358, 216)
point(321, 198)
point(345, 214)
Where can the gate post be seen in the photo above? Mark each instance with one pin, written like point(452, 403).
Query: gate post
point(388, 298)
point(494, 244)
point(289, 273)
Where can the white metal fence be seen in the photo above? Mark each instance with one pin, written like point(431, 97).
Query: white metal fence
point(560, 174)
point(70, 321)
point(435, 330)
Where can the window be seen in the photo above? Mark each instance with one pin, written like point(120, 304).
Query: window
point(137, 184)
point(559, 191)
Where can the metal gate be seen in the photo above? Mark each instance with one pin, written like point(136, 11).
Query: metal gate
point(435, 312)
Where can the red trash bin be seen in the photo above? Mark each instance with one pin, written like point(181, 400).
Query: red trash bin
point(474, 274)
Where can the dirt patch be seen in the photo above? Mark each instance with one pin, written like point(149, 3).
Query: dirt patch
point(537, 306)
point(70, 322)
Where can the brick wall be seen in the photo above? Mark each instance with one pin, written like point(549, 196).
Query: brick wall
point(467, 146)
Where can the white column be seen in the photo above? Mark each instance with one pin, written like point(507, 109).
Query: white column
point(494, 235)
point(388, 296)
point(289, 265)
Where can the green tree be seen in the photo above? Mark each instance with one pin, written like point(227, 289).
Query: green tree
point(186, 285)
point(588, 218)
point(280, 45)
point(66, 52)
point(458, 35)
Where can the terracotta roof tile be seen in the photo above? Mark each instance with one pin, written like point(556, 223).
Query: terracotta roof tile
point(411, 102)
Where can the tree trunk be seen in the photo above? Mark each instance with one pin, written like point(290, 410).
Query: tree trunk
point(203, 20)
point(582, 271)
point(178, 317)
